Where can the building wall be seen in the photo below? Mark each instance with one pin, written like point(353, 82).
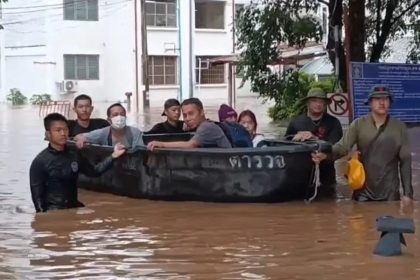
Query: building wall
point(36, 47)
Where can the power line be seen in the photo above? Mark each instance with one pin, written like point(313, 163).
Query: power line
point(53, 7)
point(116, 10)
point(55, 15)
point(43, 6)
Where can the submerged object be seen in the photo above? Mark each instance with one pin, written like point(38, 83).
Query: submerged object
point(281, 171)
point(392, 230)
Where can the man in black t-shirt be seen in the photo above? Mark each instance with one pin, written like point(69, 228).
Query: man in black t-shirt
point(172, 111)
point(316, 124)
point(83, 109)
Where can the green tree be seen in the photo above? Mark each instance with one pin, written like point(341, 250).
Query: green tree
point(16, 97)
point(261, 28)
point(263, 25)
point(38, 99)
point(289, 103)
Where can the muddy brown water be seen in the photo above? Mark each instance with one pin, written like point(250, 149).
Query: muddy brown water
point(120, 238)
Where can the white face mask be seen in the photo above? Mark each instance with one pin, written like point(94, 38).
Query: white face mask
point(118, 122)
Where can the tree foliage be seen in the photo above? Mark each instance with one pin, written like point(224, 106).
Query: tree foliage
point(296, 85)
point(264, 25)
point(38, 99)
point(16, 97)
point(261, 28)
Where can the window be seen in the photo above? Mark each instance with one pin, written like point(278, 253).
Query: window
point(209, 15)
point(81, 10)
point(161, 13)
point(162, 70)
point(81, 67)
point(206, 73)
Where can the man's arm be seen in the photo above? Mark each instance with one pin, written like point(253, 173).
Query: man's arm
point(37, 179)
point(346, 143)
point(179, 144)
point(96, 170)
point(94, 137)
point(405, 164)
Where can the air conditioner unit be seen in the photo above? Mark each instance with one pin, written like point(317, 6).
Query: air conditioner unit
point(69, 86)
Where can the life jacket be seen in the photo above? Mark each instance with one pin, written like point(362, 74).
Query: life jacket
point(237, 135)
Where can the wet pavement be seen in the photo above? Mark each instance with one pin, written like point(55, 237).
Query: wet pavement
point(121, 238)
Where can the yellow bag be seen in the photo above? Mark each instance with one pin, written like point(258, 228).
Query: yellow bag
point(355, 173)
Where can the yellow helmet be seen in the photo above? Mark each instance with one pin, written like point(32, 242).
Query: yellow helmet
point(355, 173)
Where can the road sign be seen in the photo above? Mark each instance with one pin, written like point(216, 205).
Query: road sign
point(339, 105)
point(403, 81)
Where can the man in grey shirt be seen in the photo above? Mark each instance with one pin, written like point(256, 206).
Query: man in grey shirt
point(118, 132)
point(208, 134)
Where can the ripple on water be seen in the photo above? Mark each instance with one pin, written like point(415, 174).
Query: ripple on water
point(121, 238)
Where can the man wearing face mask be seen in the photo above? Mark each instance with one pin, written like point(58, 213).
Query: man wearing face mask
point(118, 132)
point(172, 111)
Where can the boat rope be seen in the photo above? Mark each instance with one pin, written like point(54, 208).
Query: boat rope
point(316, 181)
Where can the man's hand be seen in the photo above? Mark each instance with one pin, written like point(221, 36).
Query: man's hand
point(155, 144)
point(303, 136)
point(119, 150)
point(80, 140)
point(317, 157)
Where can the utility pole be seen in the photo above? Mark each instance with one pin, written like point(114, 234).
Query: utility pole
point(145, 57)
point(136, 51)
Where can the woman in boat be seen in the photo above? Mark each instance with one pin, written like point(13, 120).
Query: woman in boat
point(172, 111)
point(249, 121)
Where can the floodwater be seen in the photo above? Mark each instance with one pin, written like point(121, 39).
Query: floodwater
point(121, 238)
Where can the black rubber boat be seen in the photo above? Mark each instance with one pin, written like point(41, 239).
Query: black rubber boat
point(281, 171)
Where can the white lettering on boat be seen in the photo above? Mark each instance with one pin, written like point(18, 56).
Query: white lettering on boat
point(257, 162)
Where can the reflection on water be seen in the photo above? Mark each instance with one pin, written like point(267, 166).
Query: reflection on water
point(120, 238)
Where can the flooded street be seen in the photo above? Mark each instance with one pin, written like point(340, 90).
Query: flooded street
point(120, 238)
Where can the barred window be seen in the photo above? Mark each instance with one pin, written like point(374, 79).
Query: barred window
point(81, 10)
point(162, 70)
point(206, 73)
point(81, 67)
point(161, 13)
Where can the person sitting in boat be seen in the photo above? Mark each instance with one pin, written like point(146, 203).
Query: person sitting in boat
point(249, 121)
point(207, 133)
point(54, 171)
point(235, 132)
point(83, 123)
point(316, 124)
point(172, 111)
point(118, 132)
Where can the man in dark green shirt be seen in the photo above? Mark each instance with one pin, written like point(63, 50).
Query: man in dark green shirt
point(386, 157)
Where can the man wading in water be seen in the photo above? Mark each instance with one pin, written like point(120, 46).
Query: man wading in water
point(53, 173)
point(385, 152)
point(316, 124)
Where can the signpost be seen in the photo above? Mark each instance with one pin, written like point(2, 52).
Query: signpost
point(339, 107)
point(402, 79)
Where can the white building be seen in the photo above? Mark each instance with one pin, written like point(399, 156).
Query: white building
point(91, 43)
point(69, 47)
